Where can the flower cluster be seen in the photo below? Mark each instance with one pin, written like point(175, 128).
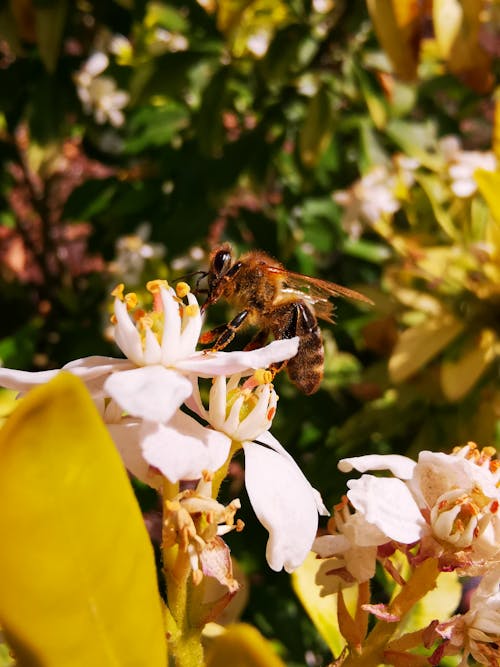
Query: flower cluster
point(151, 404)
point(441, 510)
point(99, 93)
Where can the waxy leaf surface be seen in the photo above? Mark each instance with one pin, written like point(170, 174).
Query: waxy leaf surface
point(77, 576)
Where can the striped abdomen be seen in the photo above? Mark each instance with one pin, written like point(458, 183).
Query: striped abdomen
point(296, 318)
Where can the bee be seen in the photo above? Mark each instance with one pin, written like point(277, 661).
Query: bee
point(279, 303)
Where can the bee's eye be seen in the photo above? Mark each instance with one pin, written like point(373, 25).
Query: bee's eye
point(222, 260)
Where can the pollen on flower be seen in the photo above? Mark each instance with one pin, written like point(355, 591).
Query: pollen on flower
point(182, 289)
point(191, 310)
point(131, 300)
point(263, 376)
point(154, 286)
point(117, 292)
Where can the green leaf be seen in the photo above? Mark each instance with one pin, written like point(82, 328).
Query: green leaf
point(50, 21)
point(242, 646)
point(155, 126)
point(77, 578)
point(316, 132)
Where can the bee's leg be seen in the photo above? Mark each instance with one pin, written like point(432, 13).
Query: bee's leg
point(213, 334)
point(258, 340)
point(299, 323)
point(224, 333)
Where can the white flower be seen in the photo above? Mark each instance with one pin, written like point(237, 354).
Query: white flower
point(368, 200)
point(463, 164)
point(195, 521)
point(385, 502)
point(351, 550)
point(99, 94)
point(453, 497)
point(477, 632)
point(158, 374)
point(282, 498)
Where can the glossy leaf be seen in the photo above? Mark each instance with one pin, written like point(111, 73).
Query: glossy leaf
point(456, 25)
point(77, 571)
point(397, 27)
point(316, 132)
point(460, 375)
point(321, 610)
point(441, 602)
point(421, 343)
point(50, 22)
point(241, 646)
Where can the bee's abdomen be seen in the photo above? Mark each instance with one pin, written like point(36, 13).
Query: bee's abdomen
point(306, 368)
point(295, 318)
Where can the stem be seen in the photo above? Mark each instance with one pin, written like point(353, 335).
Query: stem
point(185, 649)
point(421, 582)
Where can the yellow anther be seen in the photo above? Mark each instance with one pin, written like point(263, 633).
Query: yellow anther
point(263, 376)
point(118, 291)
point(113, 319)
point(182, 289)
point(191, 310)
point(154, 286)
point(131, 300)
point(146, 321)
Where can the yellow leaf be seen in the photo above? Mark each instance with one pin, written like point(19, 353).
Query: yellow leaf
point(321, 610)
point(77, 575)
point(397, 26)
point(421, 343)
point(489, 185)
point(241, 646)
point(458, 377)
point(456, 25)
point(441, 602)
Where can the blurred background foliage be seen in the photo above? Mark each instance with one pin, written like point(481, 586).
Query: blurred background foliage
point(354, 141)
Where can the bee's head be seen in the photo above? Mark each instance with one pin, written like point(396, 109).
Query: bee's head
point(220, 262)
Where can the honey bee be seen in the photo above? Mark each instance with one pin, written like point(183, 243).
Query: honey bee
point(279, 303)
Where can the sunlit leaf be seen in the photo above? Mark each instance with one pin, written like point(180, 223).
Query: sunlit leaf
point(398, 29)
point(241, 646)
point(456, 25)
point(442, 603)
point(419, 344)
point(321, 610)
point(489, 186)
point(77, 571)
point(460, 375)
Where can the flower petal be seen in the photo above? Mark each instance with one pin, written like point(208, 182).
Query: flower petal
point(126, 335)
point(24, 380)
point(400, 466)
point(126, 436)
point(208, 364)
point(151, 392)
point(183, 448)
point(284, 503)
point(388, 504)
point(191, 328)
point(171, 339)
point(152, 349)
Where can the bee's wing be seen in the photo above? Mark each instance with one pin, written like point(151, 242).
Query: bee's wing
point(315, 291)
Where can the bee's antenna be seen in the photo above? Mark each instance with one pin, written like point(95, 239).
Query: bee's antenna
point(190, 275)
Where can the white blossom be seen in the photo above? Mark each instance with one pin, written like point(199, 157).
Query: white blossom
point(462, 165)
point(99, 94)
point(453, 498)
point(282, 498)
